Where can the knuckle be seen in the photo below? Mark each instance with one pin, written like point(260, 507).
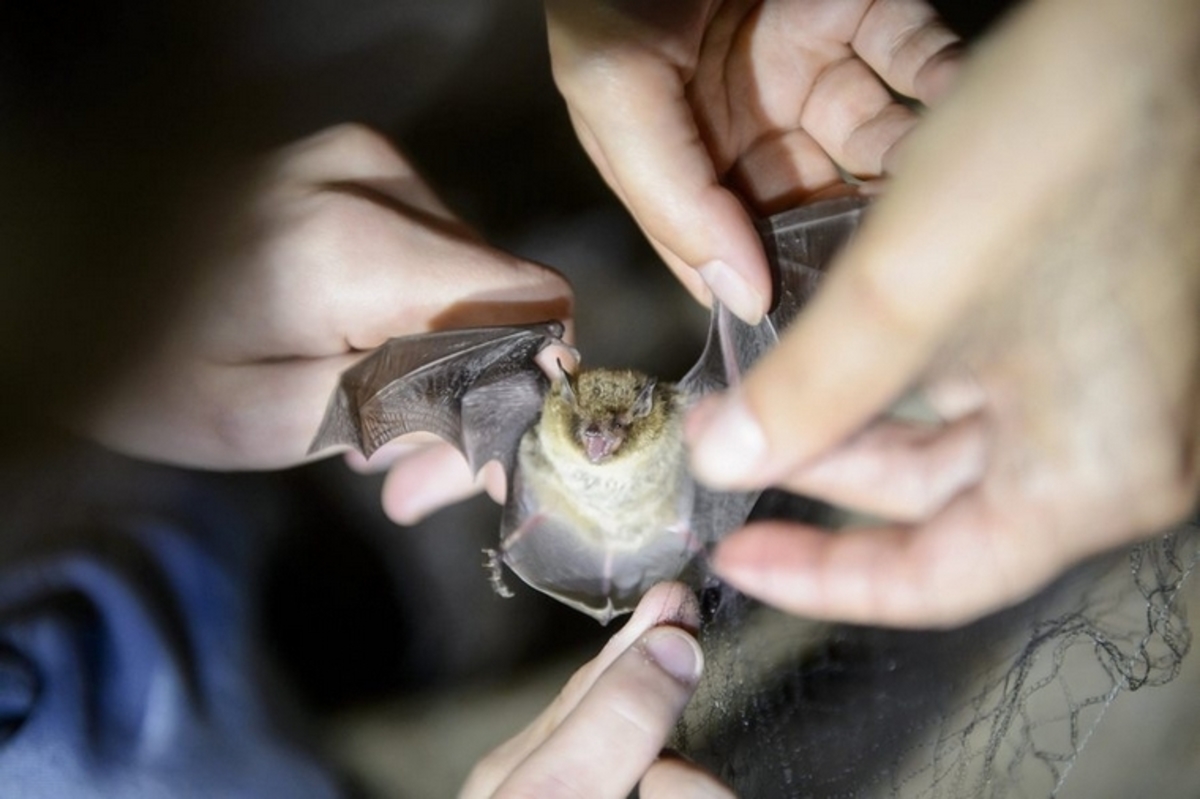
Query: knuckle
point(310, 239)
point(332, 224)
point(641, 720)
point(348, 150)
point(362, 143)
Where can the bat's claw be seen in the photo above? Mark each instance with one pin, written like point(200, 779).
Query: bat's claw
point(495, 565)
point(556, 358)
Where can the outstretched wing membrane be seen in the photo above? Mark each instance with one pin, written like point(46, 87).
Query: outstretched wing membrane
point(480, 389)
point(800, 244)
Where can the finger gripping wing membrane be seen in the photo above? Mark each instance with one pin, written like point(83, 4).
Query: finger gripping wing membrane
point(479, 389)
point(800, 243)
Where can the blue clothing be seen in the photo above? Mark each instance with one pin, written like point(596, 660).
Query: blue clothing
point(129, 664)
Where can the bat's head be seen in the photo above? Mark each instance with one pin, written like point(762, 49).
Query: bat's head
point(607, 413)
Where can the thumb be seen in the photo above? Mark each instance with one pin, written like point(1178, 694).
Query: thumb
point(891, 304)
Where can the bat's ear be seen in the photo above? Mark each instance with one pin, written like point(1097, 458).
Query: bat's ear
point(645, 400)
point(566, 384)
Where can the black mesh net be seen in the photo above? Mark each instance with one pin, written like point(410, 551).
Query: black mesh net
point(1000, 708)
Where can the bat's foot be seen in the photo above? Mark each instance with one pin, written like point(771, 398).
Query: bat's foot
point(495, 566)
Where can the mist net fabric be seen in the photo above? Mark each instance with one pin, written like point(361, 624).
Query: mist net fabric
point(1004, 707)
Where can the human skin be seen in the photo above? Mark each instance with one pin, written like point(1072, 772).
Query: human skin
point(692, 109)
point(624, 703)
point(615, 65)
point(335, 245)
point(1031, 270)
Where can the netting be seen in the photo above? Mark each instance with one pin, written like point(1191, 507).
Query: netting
point(1000, 708)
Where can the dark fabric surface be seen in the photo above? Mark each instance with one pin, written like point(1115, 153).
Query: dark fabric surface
point(131, 660)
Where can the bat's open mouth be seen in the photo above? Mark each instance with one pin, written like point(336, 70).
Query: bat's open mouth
point(599, 443)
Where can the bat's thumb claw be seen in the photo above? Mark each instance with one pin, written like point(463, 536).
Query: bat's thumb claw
point(556, 358)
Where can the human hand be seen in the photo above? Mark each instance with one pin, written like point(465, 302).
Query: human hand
point(1034, 271)
point(340, 246)
point(691, 107)
point(602, 735)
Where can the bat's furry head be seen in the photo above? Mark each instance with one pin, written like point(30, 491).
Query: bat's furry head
point(608, 413)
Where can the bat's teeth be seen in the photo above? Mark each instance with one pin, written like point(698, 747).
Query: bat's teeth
point(600, 446)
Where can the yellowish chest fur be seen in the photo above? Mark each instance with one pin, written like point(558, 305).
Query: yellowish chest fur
point(638, 494)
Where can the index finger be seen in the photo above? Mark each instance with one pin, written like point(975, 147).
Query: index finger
point(624, 86)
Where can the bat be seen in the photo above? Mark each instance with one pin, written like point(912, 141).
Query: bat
point(600, 504)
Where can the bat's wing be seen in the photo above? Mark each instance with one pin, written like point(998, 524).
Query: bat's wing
point(800, 244)
point(478, 388)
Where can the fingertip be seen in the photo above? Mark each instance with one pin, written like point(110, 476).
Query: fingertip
point(735, 290)
point(918, 578)
point(494, 481)
point(556, 358)
point(773, 563)
point(673, 776)
point(665, 604)
point(426, 481)
point(356, 462)
point(401, 503)
point(744, 553)
point(725, 249)
point(668, 603)
point(937, 77)
point(712, 248)
point(728, 446)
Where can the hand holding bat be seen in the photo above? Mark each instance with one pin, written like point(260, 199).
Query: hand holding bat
point(1034, 270)
point(328, 255)
point(600, 504)
point(695, 111)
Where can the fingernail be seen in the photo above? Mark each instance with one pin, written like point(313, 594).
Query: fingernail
point(730, 446)
point(675, 652)
point(734, 291)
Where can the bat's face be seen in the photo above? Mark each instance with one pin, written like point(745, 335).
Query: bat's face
point(607, 414)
